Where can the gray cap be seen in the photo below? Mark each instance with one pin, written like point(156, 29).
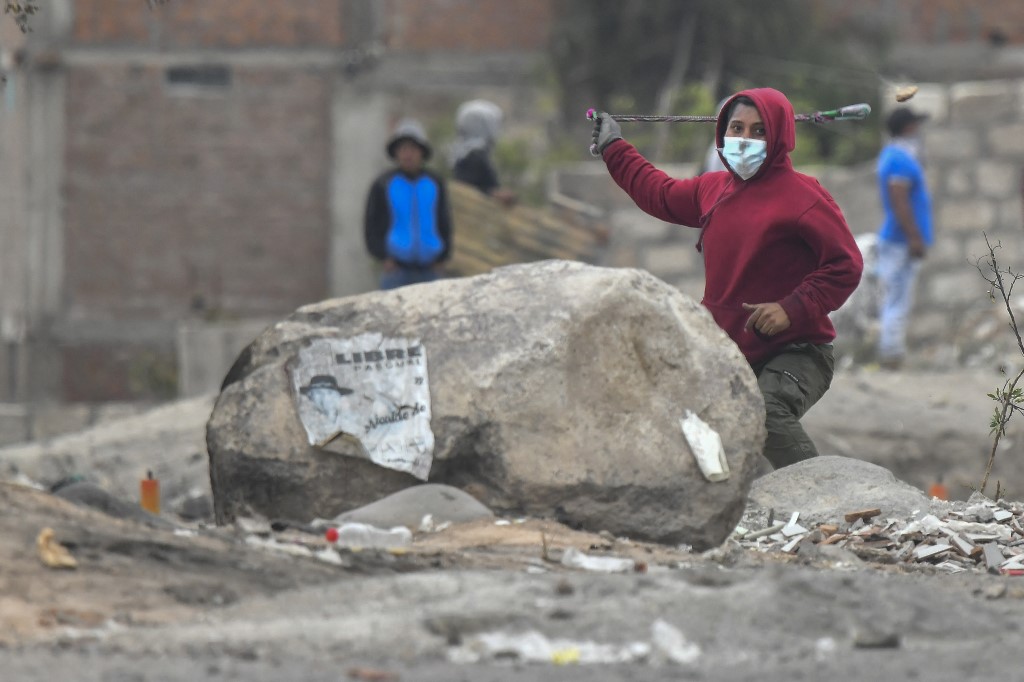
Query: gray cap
point(409, 129)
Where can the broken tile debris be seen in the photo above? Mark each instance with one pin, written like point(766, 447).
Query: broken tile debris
point(977, 535)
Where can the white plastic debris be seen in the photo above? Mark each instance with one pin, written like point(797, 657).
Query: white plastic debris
point(1001, 515)
point(706, 445)
point(364, 536)
point(673, 644)
point(928, 524)
point(535, 647)
point(599, 564)
point(793, 528)
point(981, 532)
point(824, 648)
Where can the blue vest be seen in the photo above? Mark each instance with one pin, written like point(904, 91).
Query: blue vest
point(414, 236)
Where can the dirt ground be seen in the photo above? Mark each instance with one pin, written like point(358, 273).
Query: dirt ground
point(492, 601)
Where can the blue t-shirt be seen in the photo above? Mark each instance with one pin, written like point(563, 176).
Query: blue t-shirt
point(897, 162)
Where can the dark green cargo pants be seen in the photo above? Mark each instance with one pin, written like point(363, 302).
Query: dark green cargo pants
point(791, 383)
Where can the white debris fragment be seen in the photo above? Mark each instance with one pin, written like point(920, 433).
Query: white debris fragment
point(672, 642)
point(536, 647)
point(600, 564)
point(981, 532)
point(1001, 515)
point(929, 551)
point(793, 528)
point(706, 445)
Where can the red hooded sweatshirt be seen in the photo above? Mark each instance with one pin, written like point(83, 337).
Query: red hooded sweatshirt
point(777, 237)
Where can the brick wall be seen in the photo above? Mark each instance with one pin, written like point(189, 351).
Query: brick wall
point(408, 25)
point(186, 196)
point(468, 25)
point(210, 23)
point(182, 201)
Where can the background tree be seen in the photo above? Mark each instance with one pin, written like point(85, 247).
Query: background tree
point(683, 56)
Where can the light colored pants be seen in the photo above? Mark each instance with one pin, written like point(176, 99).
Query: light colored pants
point(897, 273)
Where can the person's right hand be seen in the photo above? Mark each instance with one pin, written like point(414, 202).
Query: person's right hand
point(916, 247)
point(390, 265)
point(606, 131)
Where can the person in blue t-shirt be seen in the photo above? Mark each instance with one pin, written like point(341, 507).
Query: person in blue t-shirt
point(906, 232)
point(408, 225)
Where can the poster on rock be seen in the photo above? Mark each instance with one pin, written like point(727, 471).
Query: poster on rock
point(369, 389)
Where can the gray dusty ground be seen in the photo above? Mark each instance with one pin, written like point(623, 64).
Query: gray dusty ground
point(149, 604)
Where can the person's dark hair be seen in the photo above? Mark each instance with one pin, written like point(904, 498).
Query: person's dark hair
point(742, 99)
point(900, 119)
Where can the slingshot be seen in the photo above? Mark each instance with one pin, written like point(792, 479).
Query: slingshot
point(851, 112)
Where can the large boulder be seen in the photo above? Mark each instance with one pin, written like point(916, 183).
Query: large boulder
point(556, 389)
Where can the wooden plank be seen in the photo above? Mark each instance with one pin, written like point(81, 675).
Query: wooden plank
point(488, 235)
point(863, 514)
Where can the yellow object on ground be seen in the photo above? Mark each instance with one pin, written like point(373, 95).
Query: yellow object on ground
point(52, 553)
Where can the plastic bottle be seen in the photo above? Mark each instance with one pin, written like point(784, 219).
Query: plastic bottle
point(364, 536)
point(149, 493)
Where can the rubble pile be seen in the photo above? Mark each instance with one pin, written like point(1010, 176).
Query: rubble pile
point(977, 535)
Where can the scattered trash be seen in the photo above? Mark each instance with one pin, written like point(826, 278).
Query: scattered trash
point(938, 490)
point(372, 675)
point(979, 535)
point(600, 564)
point(324, 554)
point(52, 553)
point(824, 648)
point(149, 494)
point(535, 647)
point(428, 525)
point(365, 536)
point(863, 514)
point(706, 445)
point(672, 642)
point(566, 656)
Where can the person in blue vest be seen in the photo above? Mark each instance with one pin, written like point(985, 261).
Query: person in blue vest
point(408, 223)
point(906, 232)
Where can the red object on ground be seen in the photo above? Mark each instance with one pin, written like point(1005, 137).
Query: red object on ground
point(331, 535)
point(938, 490)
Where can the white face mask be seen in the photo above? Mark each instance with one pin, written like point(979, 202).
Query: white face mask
point(744, 155)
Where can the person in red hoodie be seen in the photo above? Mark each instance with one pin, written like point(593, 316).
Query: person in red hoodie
point(778, 254)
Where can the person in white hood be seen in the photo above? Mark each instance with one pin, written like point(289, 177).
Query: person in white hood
point(477, 124)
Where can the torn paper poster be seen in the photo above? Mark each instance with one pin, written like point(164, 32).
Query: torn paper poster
point(369, 389)
point(706, 445)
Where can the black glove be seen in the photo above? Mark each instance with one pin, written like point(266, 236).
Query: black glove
point(606, 131)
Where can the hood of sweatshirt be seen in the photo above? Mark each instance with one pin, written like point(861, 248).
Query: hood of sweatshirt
point(779, 125)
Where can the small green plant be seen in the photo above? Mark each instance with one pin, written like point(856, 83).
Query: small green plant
point(1009, 397)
